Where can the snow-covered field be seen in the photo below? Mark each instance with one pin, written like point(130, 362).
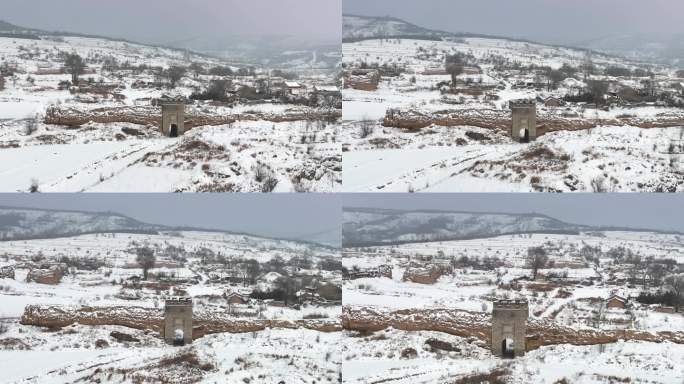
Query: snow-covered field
point(102, 272)
point(603, 159)
point(375, 359)
point(266, 153)
point(101, 287)
point(75, 353)
point(571, 290)
point(91, 159)
point(615, 155)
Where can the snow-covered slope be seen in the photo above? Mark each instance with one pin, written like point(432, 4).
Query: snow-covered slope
point(29, 223)
point(18, 223)
point(381, 226)
point(361, 27)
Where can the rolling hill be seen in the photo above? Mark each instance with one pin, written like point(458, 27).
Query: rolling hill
point(363, 227)
point(25, 223)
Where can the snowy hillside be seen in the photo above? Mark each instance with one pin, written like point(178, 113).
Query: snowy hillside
point(17, 223)
point(361, 27)
point(604, 123)
point(427, 316)
point(36, 224)
point(102, 133)
point(371, 226)
point(104, 311)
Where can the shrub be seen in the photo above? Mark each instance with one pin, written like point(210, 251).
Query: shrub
point(409, 353)
point(365, 128)
point(33, 188)
point(30, 126)
point(316, 315)
point(477, 136)
point(598, 184)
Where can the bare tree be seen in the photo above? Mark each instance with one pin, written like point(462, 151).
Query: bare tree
point(598, 184)
point(555, 77)
point(252, 268)
point(146, 259)
point(656, 272)
point(197, 69)
point(365, 128)
point(174, 74)
point(587, 65)
point(269, 184)
point(2, 83)
point(675, 284)
point(75, 66)
point(454, 66)
point(536, 259)
point(33, 188)
point(289, 288)
point(30, 126)
point(598, 90)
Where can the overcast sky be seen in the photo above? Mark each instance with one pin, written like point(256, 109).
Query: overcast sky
point(311, 216)
point(643, 211)
point(569, 21)
point(166, 21)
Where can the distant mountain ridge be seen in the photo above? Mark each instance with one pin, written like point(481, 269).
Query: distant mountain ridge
point(272, 50)
point(372, 227)
point(28, 223)
point(35, 223)
point(358, 28)
point(11, 30)
point(5, 26)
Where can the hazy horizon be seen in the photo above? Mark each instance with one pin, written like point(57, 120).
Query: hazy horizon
point(660, 212)
point(573, 23)
point(181, 20)
point(309, 217)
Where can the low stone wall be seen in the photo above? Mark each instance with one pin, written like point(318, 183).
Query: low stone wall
point(501, 120)
point(151, 116)
point(362, 79)
point(478, 325)
point(204, 323)
point(426, 275)
point(51, 276)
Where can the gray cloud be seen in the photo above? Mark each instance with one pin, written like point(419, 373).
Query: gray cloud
point(164, 21)
point(647, 211)
point(572, 22)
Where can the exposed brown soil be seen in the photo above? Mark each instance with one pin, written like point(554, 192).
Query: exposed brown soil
point(151, 116)
point(204, 323)
point(501, 121)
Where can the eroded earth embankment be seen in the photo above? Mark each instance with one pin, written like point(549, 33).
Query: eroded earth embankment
point(501, 120)
point(204, 322)
point(540, 332)
point(148, 115)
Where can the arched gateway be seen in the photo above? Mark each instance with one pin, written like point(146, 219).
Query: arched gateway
point(509, 327)
point(177, 323)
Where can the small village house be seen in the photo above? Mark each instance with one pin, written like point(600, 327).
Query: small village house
point(616, 301)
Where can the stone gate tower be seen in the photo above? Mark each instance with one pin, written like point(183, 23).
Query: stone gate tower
point(173, 117)
point(524, 120)
point(177, 324)
point(509, 326)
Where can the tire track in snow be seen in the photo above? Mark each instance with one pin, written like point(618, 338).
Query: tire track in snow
point(110, 160)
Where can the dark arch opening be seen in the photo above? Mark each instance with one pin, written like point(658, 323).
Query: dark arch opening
point(507, 349)
point(526, 136)
point(173, 132)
